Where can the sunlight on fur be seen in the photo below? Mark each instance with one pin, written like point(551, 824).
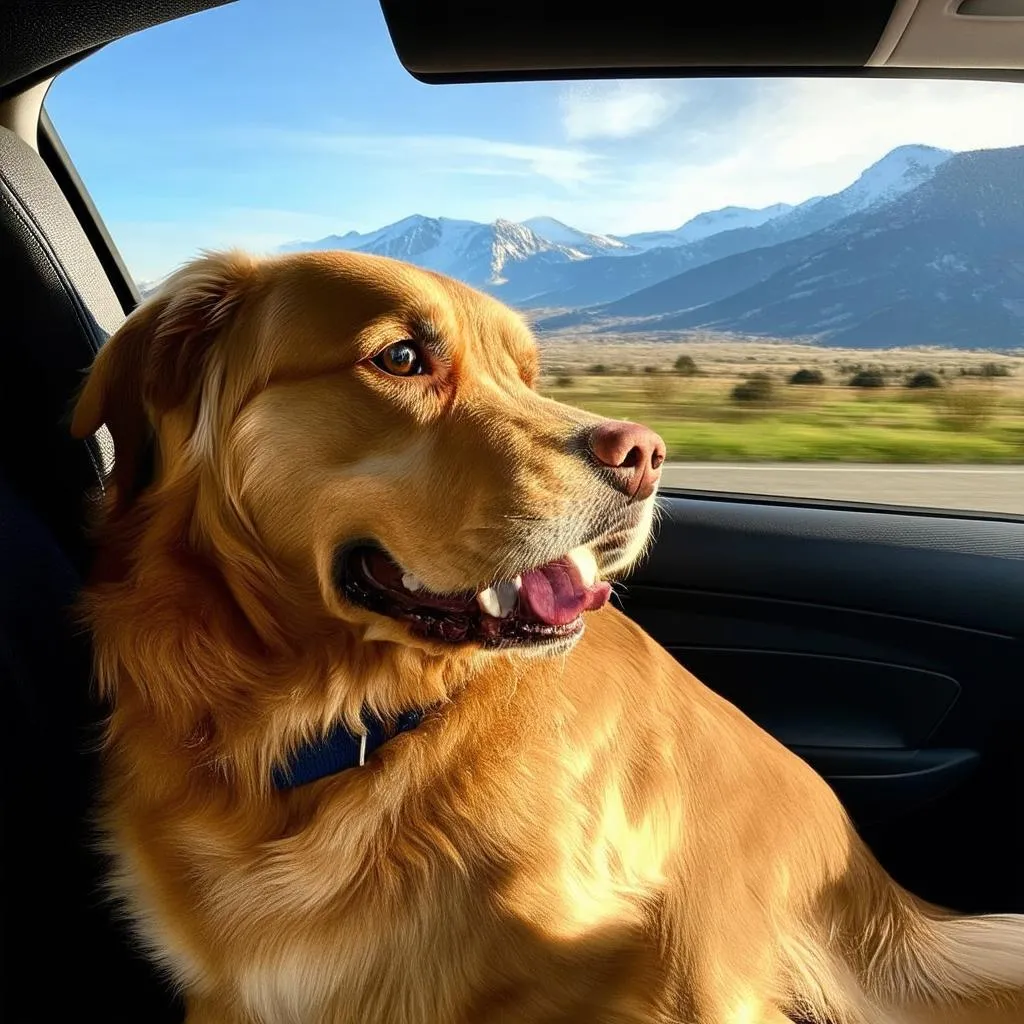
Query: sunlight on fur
point(338, 498)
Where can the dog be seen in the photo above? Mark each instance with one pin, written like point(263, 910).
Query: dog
point(379, 747)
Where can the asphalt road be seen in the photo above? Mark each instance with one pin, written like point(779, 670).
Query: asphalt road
point(981, 488)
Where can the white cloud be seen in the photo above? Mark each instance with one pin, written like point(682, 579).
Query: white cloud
point(850, 119)
point(616, 110)
point(640, 156)
point(456, 154)
point(786, 141)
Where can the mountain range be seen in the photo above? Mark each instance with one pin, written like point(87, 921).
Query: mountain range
point(925, 247)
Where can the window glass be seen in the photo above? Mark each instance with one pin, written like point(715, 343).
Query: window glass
point(812, 288)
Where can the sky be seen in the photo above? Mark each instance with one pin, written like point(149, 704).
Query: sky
point(262, 123)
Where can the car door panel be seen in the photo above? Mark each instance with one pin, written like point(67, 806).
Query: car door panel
point(883, 647)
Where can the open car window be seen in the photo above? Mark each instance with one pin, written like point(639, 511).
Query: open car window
point(810, 287)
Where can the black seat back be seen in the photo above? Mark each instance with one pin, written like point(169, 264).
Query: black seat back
point(65, 958)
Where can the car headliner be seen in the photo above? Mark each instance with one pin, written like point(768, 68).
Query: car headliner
point(466, 40)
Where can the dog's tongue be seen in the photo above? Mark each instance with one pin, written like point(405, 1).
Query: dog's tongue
point(556, 593)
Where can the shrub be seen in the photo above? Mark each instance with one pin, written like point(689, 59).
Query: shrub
point(985, 370)
point(966, 408)
point(759, 387)
point(659, 387)
point(867, 379)
point(651, 369)
point(597, 369)
point(995, 370)
point(924, 379)
point(685, 366)
point(807, 377)
point(563, 380)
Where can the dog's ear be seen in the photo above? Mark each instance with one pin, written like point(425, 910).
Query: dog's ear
point(155, 361)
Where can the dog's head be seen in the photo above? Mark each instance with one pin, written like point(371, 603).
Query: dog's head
point(366, 436)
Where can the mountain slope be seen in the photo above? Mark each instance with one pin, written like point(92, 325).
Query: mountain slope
point(942, 264)
point(600, 281)
point(552, 230)
point(900, 171)
point(484, 255)
point(706, 224)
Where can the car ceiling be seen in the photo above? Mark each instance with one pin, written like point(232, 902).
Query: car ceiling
point(469, 40)
point(42, 37)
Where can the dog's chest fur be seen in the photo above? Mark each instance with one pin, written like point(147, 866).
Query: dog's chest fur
point(415, 917)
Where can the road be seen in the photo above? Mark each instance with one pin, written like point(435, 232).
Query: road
point(981, 488)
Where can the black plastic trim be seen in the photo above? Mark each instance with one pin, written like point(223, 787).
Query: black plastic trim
point(542, 35)
point(876, 785)
point(967, 573)
point(738, 71)
point(56, 157)
point(827, 701)
point(832, 504)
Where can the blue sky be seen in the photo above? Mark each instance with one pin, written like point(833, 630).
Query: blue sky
point(265, 122)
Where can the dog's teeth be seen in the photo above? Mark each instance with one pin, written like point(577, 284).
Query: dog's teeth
point(508, 594)
point(584, 561)
point(411, 582)
point(489, 602)
point(500, 600)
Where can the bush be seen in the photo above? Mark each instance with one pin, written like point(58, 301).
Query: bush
point(924, 379)
point(967, 408)
point(685, 366)
point(807, 377)
point(597, 369)
point(759, 387)
point(985, 370)
point(651, 369)
point(563, 380)
point(995, 370)
point(659, 387)
point(867, 379)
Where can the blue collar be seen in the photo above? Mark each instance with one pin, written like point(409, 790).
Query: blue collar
point(340, 750)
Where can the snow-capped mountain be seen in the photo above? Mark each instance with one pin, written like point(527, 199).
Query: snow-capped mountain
point(729, 262)
point(543, 262)
point(899, 171)
point(483, 255)
point(552, 230)
point(601, 281)
point(933, 265)
point(704, 224)
point(406, 239)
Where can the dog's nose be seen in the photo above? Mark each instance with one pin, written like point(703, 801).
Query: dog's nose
point(634, 454)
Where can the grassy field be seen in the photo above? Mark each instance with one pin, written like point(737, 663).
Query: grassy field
point(969, 418)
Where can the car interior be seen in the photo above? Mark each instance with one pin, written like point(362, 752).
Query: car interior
point(884, 645)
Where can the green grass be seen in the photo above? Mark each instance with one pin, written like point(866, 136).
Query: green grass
point(809, 424)
point(774, 440)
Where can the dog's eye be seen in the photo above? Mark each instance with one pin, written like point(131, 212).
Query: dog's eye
point(402, 359)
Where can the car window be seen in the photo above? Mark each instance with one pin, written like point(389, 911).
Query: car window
point(812, 288)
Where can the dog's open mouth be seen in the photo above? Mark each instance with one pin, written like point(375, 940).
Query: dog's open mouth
point(541, 606)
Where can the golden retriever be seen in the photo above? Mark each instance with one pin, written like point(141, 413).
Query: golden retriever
point(339, 501)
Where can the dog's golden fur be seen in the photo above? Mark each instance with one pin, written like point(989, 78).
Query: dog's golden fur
point(591, 836)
